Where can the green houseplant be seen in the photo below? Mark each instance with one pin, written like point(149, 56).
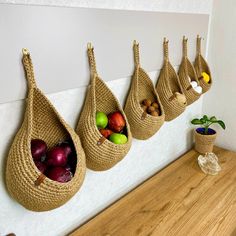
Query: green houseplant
point(204, 135)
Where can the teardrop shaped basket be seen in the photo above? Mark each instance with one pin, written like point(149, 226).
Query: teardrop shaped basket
point(143, 125)
point(101, 154)
point(24, 181)
point(201, 65)
point(169, 89)
point(187, 72)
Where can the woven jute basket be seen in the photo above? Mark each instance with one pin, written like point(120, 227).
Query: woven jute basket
point(142, 125)
point(186, 72)
point(204, 143)
point(168, 85)
point(24, 181)
point(201, 65)
point(101, 154)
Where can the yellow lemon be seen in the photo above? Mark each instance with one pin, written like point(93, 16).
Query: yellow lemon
point(206, 77)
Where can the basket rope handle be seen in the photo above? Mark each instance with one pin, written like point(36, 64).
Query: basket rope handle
point(166, 57)
point(185, 47)
point(166, 50)
point(28, 66)
point(92, 61)
point(199, 39)
point(136, 54)
point(199, 45)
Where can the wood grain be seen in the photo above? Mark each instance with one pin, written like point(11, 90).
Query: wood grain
point(180, 200)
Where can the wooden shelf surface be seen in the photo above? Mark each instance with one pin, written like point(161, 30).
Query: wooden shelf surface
point(179, 200)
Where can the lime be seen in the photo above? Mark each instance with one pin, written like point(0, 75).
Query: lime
point(101, 120)
point(118, 138)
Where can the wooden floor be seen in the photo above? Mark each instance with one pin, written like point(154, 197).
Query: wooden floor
point(180, 200)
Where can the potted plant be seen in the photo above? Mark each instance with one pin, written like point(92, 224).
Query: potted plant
point(205, 136)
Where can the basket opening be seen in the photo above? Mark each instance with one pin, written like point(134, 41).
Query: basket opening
point(46, 124)
point(145, 88)
point(105, 100)
point(173, 81)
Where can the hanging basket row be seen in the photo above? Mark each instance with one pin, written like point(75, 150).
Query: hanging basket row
point(145, 111)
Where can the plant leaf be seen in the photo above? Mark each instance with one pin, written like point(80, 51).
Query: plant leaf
point(213, 118)
point(196, 122)
point(221, 123)
point(205, 117)
point(203, 120)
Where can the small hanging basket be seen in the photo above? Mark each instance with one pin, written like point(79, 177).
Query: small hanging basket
point(188, 77)
point(142, 124)
point(24, 181)
point(101, 154)
point(201, 66)
point(169, 89)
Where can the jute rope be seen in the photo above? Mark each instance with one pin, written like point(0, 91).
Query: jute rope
point(24, 181)
point(168, 85)
point(142, 125)
point(101, 154)
point(204, 143)
point(201, 65)
point(186, 71)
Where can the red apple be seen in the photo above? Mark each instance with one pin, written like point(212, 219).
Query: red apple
point(59, 174)
point(56, 157)
point(116, 121)
point(106, 132)
point(41, 166)
point(38, 148)
point(67, 148)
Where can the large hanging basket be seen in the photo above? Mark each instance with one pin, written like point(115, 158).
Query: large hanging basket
point(169, 89)
point(101, 154)
point(187, 74)
point(201, 65)
point(24, 181)
point(142, 125)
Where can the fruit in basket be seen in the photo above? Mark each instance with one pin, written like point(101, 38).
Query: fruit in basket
point(147, 102)
point(116, 121)
point(118, 138)
point(56, 157)
point(154, 113)
point(106, 132)
point(67, 147)
point(41, 166)
point(206, 77)
point(144, 107)
point(198, 89)
point(101, 120)
point(59, 174)
point(38, 148)
point(155, 104)
point(180, 98)
point(194, 84)
point(151, 109)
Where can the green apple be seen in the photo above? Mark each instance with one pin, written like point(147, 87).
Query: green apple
point(101, 120)
point(118, 138)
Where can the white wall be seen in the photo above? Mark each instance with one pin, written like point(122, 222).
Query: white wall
point(99, 189)
point(221, 100)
